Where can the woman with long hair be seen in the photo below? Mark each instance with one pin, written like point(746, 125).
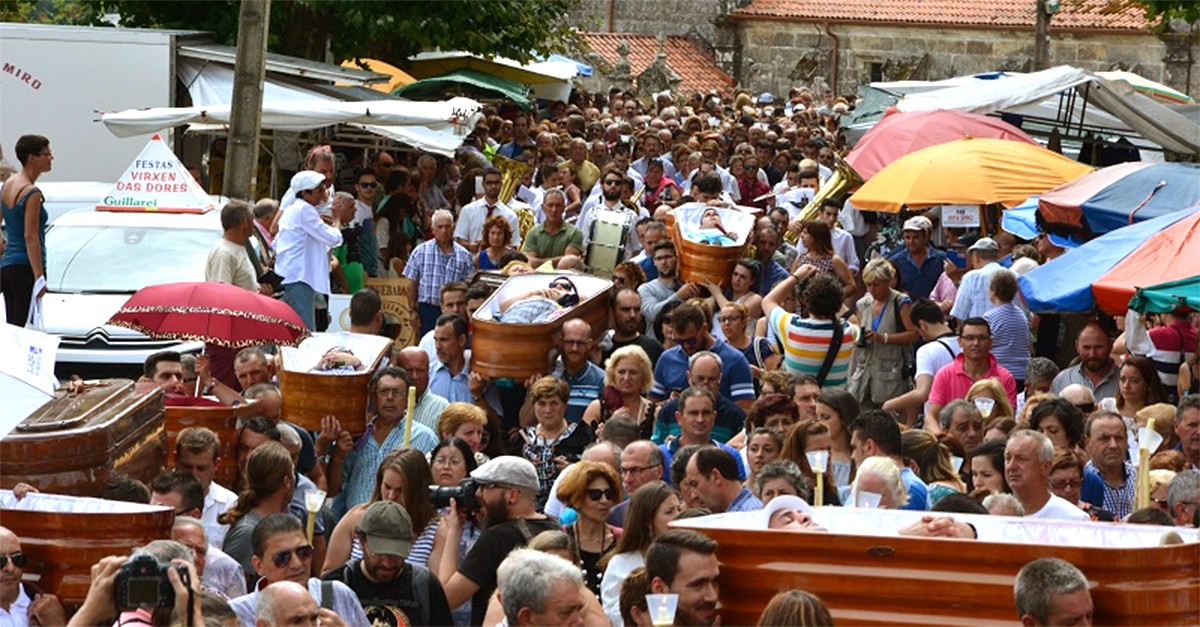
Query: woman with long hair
point(758, 350)
point(1139, 386)
point(270, 481)
point(990, 388)
point(818, 243)
point(742, 281)
point(795, 608)
point(762, 447)
point(628, 376)
point(987, 467)
point(592, 489)
point(651, 508)
point(837, 409)
point(932, 459)
point(402, 477)
point(804, 438)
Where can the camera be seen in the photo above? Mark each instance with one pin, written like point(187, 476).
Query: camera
point(142, 582)
point(463, 495)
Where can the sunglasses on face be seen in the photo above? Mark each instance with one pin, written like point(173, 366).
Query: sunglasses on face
point(283, 558)
point(371, 185)
point(17, 558)
point(596, 493)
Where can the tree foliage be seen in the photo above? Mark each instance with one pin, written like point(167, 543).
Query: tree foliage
point(389, 30)
point(1186, 10)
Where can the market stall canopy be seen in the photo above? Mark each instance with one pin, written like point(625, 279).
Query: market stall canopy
point(548, 80)
point(1105, 271)
point(396, 76)
point(1153, 89)
point(156, 180)
point(1168, 297)
point(967, 172)
point(1022, 219)
point(468, 81)
point(1119, 195)
point(899, 134)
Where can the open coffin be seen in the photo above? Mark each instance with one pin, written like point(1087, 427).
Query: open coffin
point(310, 395)
point(701, 262)
point(867, 574)
point(519, 351)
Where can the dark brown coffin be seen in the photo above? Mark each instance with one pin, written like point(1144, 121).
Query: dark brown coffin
point(878, 580)
point(64, 536)
point(75, 443)
point(519, 351)
point(223, 421)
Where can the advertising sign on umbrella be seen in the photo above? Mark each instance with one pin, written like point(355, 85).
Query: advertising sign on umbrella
point(157, 181)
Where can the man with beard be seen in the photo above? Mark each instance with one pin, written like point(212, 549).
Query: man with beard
point(507, 489)
point(391, 591)
point(766, 242)
point(684, 562)
point(627, 326)
point(1096, 368)
point(667, 287)
point(610, 200)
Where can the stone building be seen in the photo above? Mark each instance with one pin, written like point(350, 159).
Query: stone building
point(771, 45)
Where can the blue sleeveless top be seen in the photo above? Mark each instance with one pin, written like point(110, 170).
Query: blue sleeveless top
point(14, 231)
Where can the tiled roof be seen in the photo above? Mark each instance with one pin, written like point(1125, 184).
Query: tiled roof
point(1073, 14)
point(694, 64)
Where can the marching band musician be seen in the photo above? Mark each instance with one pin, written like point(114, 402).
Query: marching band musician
point(612, 194)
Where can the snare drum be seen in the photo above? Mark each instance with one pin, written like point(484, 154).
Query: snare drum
point(607, 240)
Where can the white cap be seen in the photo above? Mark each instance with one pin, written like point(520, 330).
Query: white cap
point(918, 223)
point(307, 180)
point(984, 243)
point(781, 503)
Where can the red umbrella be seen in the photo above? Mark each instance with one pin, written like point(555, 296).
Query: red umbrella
point(216, 313)
point(899, 134)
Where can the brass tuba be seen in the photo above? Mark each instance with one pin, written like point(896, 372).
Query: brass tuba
point(844, 179)
point(511, 173)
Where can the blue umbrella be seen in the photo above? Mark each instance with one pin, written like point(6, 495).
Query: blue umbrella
point(1064, 284)
point(1116, 196)
point(1022, 219)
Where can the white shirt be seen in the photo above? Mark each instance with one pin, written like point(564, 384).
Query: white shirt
point(472, 216)
point(934, 356)
point(18, 613)
point(216, 502)
point(619, 567)
point(229, 263)
point(427, 344)
point(588, 215)
point(1059, 508)
point(302, 247)
point(642, 164)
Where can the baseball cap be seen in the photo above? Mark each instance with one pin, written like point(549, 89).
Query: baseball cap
point(508, 470)
point(918, 223)
point(984, 243)
point(780, 503)
point(388, 528)
point(306, 180)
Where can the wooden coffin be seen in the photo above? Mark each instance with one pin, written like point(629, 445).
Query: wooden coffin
point(868, 575)
point(309, 396)
point(519, 351)
point(703, 262)
point(63, 536)
point(76, 442)
point(221, 420)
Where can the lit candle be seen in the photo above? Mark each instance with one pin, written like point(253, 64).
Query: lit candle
point(408, 415)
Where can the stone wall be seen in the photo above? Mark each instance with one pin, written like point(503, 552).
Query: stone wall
point(777, 55)
point(651, 17)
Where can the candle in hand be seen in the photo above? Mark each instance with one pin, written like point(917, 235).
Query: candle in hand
point(408, 415)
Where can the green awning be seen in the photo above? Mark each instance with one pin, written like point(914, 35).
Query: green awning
point(1167, 297)
point(467, 82)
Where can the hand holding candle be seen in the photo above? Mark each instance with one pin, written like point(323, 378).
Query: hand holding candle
point(408, 415)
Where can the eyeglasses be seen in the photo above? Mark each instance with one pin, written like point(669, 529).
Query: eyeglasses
point(1066, 483)
point(371, 185)
point(633, 470)
point(447, 461)
point(691, 341)
point(18, 559)
point(283, 558)
point(390, 392)
point(613, 182)
point(596, 493)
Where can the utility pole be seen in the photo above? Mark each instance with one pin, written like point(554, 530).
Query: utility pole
point(249, 72)
point(1043, 10)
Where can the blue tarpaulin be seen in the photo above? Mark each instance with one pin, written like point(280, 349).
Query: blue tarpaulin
point(1168, 186)
point(1064, 284)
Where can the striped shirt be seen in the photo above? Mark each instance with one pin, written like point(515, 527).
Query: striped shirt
point(806, 343)
point(429, 409)
point(585, 387)
point(1173, 345)
point(1012, 338)
point(430, 268)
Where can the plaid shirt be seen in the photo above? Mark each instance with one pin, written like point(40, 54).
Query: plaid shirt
point(1119, 500)
point(430, 268)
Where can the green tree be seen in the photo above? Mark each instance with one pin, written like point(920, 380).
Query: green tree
point(390, 30)
point(1186, 10)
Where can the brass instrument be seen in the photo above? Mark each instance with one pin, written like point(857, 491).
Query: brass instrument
point(511, 173)
point(844, 179)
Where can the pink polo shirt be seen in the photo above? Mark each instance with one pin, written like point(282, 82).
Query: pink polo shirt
point(952, 381)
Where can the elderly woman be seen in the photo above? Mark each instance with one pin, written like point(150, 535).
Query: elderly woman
point(933, 463)
point(651, 508)
point(466, 422)
point(781, 477)
point(628, 376)
point(885, 350)
point(592, 489)
point(497, 235)
point(552, 443)
point(627, 274)
point(881, 476)
point(1066, 482)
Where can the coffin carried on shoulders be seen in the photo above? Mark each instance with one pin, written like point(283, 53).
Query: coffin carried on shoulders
point(700, 262)
point(310, 395)
point(76, 442)
point(867, 574)
point(63, 536)
point(221, 420)
point(519, 351)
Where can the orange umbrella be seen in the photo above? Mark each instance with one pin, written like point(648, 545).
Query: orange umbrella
point(399, 78)
point(969, 171)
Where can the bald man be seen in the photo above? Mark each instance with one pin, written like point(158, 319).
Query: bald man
point(415, 361)
point(23, 604)
point(289, 603)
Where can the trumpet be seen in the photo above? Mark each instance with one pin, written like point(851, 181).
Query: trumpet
point(844, 179)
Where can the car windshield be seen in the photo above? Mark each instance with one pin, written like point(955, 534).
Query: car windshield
point(123, 259)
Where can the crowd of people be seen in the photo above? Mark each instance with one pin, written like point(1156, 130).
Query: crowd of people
point(911, 371)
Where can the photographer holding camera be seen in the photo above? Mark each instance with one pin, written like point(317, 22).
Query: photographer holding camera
point(505, 489)
point(158, 585)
